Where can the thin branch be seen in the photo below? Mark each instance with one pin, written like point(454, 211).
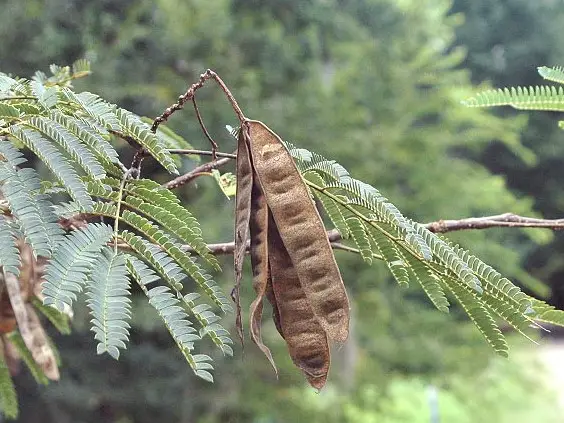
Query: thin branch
point(193, 174)
point(441, 226)
point(182, 151)
point(505, 220)
point(189, 95)
point(130, 140)
point(214, 145)
point(20, 97)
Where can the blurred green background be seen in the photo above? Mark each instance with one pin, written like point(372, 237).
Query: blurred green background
point(375, 85)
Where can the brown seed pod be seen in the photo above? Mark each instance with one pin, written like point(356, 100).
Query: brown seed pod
point(304, 335)
point(259, 261)
point(40, 349)
point(242, 216)
point(301, 230)
point(273, 302)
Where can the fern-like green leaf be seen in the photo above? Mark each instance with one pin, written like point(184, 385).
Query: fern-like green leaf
point(92, 106)
point(472, 305)
point(163, 207)
point(109, 303)
point(141, 132)
point(522, 98)
point(392, 256)
point(7, 83)
point(429, 281)
point(87, 135)
point(35, 370)
point(70, 266)
point(57, 319)
point(448, 257)
point(554, 74)
point(208, 321)
point(546, 313)
point(175, 318)
point(32, 211)
point(360, 238)
point(8, 395)
point(70, 143)
point(9, 112)
point(27, 108)
point(46, 96)
point(186, 263)
point(157, 258)
point(330, 206)
point(494, 283)
point(81, 68)
point(9, 254)
point(175, 226)
point(55, 161)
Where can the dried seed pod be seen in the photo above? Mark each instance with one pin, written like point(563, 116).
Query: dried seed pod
point(31, 330)
point(259, 262)
point(273, 302)
point(301, 230)
point(242, 216)
point(40, 349)
point(304, 335)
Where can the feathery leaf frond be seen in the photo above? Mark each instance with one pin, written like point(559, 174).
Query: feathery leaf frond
point(522, 98)
point(109, 303)
point(31, 209)
point(9, 254)
point(70, 266)
point(474, 308)
point(554, 74)
point(133, 126)
point(24, 352)
point(56, 162)
point(68, 142)
point(8, 396)
point(173, 315)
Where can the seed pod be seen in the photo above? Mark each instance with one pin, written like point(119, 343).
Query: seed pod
point(242, 215)
point(273, 302)
point(304, 335)
point(259, 262)
point(301, 230)
point(40, 349)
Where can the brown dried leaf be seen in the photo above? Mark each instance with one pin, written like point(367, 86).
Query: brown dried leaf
point(30, 328)
point(242, 216)
point(304, 335)
point(259, 262)
point(273, 302)
point(301, 230)
point(39, 346)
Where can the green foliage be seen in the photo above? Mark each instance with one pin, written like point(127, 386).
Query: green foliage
point(36, 371)
point(81, 259)
point(8, 396)
point(108, 299)
point(30, 209)
point(71, 134)
point(379, 230)
point(169, 307)
point(289, 45)
point(70, 267)
point(545, 98)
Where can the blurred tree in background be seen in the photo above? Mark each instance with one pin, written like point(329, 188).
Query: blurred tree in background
point(507, 40)
point(374, 84)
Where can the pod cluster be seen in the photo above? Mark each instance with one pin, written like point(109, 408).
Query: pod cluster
point(292, 260)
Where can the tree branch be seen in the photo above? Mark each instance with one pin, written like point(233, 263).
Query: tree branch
point(193, 174)
point(505, 220)
point(441, 226)
point(201, 153)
